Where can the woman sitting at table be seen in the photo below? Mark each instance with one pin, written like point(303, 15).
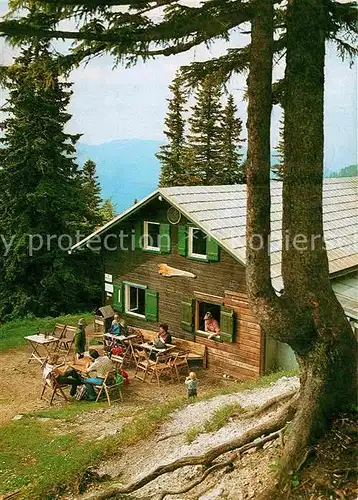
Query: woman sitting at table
point(118, 326)
point(115, 328)
point(97, 371)
point(63, 375)
point(163, 334)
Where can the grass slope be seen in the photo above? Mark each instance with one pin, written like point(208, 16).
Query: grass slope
point(41, 458)
point(13, 333)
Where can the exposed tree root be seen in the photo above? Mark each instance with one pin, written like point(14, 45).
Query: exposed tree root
point(213, 468)
point(168, 436)
point(258, 443)
point(273, 426)
point(257, 412)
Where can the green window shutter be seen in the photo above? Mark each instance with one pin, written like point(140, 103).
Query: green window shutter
point(187, 315)
point(118, 297)
point(227, 323)
point(212, 249)
point(182, 240)
point(138, 235)
point(151, 305)
point(164, 232)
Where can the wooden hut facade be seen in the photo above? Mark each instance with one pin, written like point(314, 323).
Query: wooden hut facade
point(180, 252)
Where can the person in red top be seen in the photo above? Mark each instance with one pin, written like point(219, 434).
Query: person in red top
point(211, 326)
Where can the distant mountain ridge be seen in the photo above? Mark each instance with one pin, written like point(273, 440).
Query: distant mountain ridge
point(128, 169)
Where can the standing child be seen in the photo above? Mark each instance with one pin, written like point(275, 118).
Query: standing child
point(192, 385)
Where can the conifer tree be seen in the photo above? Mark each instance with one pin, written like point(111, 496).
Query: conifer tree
point(92, 192)
point(107, 211)
point(205, 133)
point(170, 154)
point(43, 204)
point(232, 170)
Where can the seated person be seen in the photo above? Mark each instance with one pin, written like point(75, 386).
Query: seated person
point(63, 375)
point(163, 334)
point(115, 328)
point(118, 326)
point(97, 371)
point(211, 326)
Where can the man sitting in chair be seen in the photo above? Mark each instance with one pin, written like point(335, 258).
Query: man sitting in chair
point(211, 326)
point(97, 371)
point(63, 374)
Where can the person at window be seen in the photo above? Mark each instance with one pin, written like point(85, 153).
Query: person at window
point(63, 375)
point(163, 334)
point(96, 371)
point(80, 338)
point(211, 326)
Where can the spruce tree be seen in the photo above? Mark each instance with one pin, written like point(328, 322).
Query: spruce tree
point(107, 211)
point(231, 169)
point(92, 192)
point(170, 154)
point(43, 204)
point(205, 133)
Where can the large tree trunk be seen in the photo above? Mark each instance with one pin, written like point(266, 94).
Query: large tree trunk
point(325, 345)
point(308, 316)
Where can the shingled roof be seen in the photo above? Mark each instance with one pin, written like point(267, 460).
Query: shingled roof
point(221, 212)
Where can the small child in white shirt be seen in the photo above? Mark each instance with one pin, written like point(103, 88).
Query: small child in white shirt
point(192, 385)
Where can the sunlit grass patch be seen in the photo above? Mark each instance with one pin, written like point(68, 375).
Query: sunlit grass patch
point(192, 433)
point(42, 460)
point(221, 416)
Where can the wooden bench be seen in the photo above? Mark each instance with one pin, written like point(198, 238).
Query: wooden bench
point(148, 335)
point(196, 351)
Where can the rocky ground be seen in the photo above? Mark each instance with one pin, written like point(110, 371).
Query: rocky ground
point(240, 483)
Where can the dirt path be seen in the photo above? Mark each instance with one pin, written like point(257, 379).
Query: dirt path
point(20, 386)
point(139, 460)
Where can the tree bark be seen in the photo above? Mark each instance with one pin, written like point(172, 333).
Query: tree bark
point(307, 316)
point(325, 344)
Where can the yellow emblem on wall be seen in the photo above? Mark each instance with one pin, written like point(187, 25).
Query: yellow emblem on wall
point(168, 271)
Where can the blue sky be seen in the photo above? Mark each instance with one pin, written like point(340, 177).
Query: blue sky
point(110, 104)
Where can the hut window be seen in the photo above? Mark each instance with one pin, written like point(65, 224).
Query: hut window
point(151, 240)
point(135, 299)
point(197, 243)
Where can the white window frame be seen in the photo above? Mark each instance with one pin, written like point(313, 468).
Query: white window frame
point(190, 244)
point(146, 234)
point(127, 300)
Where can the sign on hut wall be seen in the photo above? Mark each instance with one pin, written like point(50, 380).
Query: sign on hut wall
point(168, 271)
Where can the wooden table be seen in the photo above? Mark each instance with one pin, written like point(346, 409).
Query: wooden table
point(157, 350)
point(40, 341)
point(121, 338)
